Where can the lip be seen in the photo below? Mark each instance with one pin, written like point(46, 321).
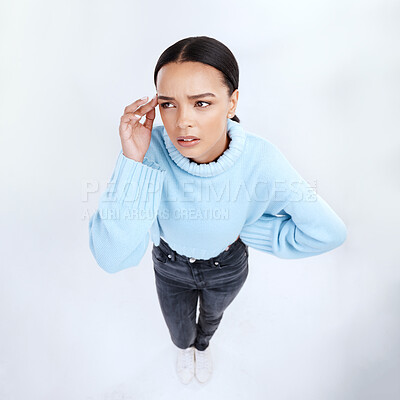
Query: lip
point(187, 137)
point(188, 144)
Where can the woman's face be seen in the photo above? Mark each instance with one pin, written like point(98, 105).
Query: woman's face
point(193, 101)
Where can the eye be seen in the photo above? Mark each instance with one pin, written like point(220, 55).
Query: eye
point(205, 102)
point(164, 105)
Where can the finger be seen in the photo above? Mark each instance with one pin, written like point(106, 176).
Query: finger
point(150, 116)
point(144, 109)
point(135, 104)
point(129, 118)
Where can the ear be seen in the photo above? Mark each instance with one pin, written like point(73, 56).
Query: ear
point(233, 103)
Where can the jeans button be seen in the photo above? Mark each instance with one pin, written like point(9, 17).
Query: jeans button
point(216, 262)
point(192, 260)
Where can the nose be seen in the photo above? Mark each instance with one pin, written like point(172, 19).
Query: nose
point(184, 118)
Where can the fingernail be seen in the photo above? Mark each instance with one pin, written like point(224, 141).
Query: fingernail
point(144, 98)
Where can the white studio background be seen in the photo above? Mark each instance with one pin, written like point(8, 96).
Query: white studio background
point(320, 79)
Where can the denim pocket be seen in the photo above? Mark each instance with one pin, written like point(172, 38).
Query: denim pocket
point(158, 254)
point(246, 248)
point(234, 256)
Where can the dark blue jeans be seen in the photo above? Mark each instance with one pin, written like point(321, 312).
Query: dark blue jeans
point(181, 281)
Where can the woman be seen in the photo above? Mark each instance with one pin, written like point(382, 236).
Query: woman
point(204, 189)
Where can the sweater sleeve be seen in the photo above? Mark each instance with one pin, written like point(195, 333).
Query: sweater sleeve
point(305, 226)
point(119, 229)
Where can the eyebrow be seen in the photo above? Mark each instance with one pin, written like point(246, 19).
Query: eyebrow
point(195, 96)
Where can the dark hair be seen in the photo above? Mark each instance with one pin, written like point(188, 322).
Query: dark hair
point(206, 50)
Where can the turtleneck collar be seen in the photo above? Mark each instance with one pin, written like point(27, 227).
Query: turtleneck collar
point(225, 161)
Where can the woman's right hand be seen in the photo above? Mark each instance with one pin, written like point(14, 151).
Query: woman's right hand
point(135, 137)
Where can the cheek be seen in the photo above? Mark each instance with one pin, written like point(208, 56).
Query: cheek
point(163, 114)
point(167, 114)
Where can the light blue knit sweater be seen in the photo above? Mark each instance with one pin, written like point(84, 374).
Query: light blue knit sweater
point(199, 209)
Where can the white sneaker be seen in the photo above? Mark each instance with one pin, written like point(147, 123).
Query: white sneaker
point(185, 364)
point(203, 364)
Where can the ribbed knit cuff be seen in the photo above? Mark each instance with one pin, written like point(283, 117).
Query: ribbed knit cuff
point(134, 185)
point(260, 235)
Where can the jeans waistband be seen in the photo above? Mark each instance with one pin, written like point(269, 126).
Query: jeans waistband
point(164, 246)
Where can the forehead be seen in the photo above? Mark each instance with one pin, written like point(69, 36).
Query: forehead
point(191, 77)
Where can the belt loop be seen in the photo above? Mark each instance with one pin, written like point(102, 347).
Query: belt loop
point(212, 262)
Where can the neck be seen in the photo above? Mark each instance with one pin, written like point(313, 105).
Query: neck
point(215, 152)
point(234, 146)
